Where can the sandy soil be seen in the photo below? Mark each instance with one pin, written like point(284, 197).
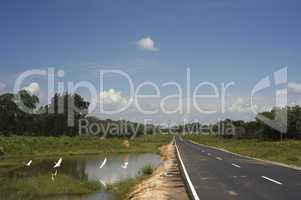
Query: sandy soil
point(166, 182)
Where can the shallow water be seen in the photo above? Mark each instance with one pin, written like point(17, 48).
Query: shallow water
point(87, 168)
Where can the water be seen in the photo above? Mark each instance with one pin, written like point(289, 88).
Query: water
point(87, 168)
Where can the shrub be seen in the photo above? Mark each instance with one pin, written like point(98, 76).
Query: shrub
point(147, 170)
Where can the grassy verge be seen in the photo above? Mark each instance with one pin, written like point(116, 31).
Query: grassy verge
point(288, 152)
point(42, 186)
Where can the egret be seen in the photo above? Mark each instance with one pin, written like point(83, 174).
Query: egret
point(58, 163)
point(28, 164)
point(103, 163)
point(125, 165)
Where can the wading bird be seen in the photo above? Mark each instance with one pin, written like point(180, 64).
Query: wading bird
point(103, 163)
point(125, 165)
point(58, 163)
point(28, 164)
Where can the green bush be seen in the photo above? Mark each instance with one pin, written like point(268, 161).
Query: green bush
point(147, 170)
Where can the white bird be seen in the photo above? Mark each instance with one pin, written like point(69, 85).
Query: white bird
point(103, 183)
point(103, 163)
point(58, 163)
point(29, 163)
point(125, 165)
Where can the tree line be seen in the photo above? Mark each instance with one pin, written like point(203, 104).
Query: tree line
point(54, 119)
point(49, 120)
point(252, 129)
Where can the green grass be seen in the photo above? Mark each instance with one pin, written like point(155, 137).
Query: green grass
point(42, 186)
point(20, 146)
point(287, 152)
point(147, 170)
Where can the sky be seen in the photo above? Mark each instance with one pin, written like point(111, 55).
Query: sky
point(155, 41)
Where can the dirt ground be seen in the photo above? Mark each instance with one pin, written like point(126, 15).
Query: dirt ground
point(165, 183)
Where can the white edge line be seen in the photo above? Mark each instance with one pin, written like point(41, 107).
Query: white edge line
point(272, 180)
point(195, 195)
point(235, 165)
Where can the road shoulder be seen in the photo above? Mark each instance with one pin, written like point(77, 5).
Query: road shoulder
point(166, 182)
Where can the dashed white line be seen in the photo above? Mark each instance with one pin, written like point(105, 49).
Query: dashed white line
point(235, 165)
point(209, 154)
point(272, 180)
point(219, 158)
point(203, 151)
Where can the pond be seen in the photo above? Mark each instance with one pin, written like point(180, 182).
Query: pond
point(88, 168)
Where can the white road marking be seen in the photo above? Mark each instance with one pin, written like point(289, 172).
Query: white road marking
point(193, 191)
point(209, 154)
point(203, 151)
point(272, 180)
point(219, 158)
point(235, 165)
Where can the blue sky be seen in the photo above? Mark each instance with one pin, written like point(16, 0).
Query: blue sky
point(220, 41)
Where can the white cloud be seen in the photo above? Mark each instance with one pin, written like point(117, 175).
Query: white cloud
point(294, 87)
point(33, 88)
point(147, 43)
point(112, 97)
point(240, 105)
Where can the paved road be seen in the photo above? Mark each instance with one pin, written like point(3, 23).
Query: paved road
point(218, 175)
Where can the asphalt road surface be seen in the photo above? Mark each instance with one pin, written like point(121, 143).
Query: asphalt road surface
point(218, 175)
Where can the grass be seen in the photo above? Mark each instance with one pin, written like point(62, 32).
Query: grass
point(287, 152)
point(42, 186)
point(147, 170)
point(123, 188)
point(20, 146)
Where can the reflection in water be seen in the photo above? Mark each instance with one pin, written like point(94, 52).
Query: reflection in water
point(87, 168)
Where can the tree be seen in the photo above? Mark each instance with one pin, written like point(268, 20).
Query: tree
point(13, 118)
